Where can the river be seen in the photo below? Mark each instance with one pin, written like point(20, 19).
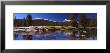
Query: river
point(57, 35)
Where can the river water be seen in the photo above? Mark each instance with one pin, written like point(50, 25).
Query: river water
point(56, 35)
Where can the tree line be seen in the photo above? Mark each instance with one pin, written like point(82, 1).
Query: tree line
point(83, 21)
point(23, 22)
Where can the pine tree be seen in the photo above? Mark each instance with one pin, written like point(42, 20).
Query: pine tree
point(29, 20)
point(83, 20)
point(15, 21)
point(73, 18)
point(26, 22)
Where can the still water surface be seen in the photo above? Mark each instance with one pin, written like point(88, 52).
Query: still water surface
point(56, 35)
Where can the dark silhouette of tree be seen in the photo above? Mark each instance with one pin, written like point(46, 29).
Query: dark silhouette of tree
point(29, 19)
point(83, 20)
point(15, 21)
point(24, 22)
point(93, 22)
point(73, 18)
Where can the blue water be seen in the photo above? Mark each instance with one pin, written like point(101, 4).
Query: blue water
point(53, 36)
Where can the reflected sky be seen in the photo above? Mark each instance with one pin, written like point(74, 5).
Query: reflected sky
point(57, 35)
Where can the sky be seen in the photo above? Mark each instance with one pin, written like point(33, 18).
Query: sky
point(59, 17)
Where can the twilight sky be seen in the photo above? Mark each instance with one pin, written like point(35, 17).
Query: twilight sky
point(52, 16)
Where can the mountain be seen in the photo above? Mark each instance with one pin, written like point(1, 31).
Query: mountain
point(45, 22)
point(42, 22)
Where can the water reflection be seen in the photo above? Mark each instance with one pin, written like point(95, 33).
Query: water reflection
point(88, 34)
